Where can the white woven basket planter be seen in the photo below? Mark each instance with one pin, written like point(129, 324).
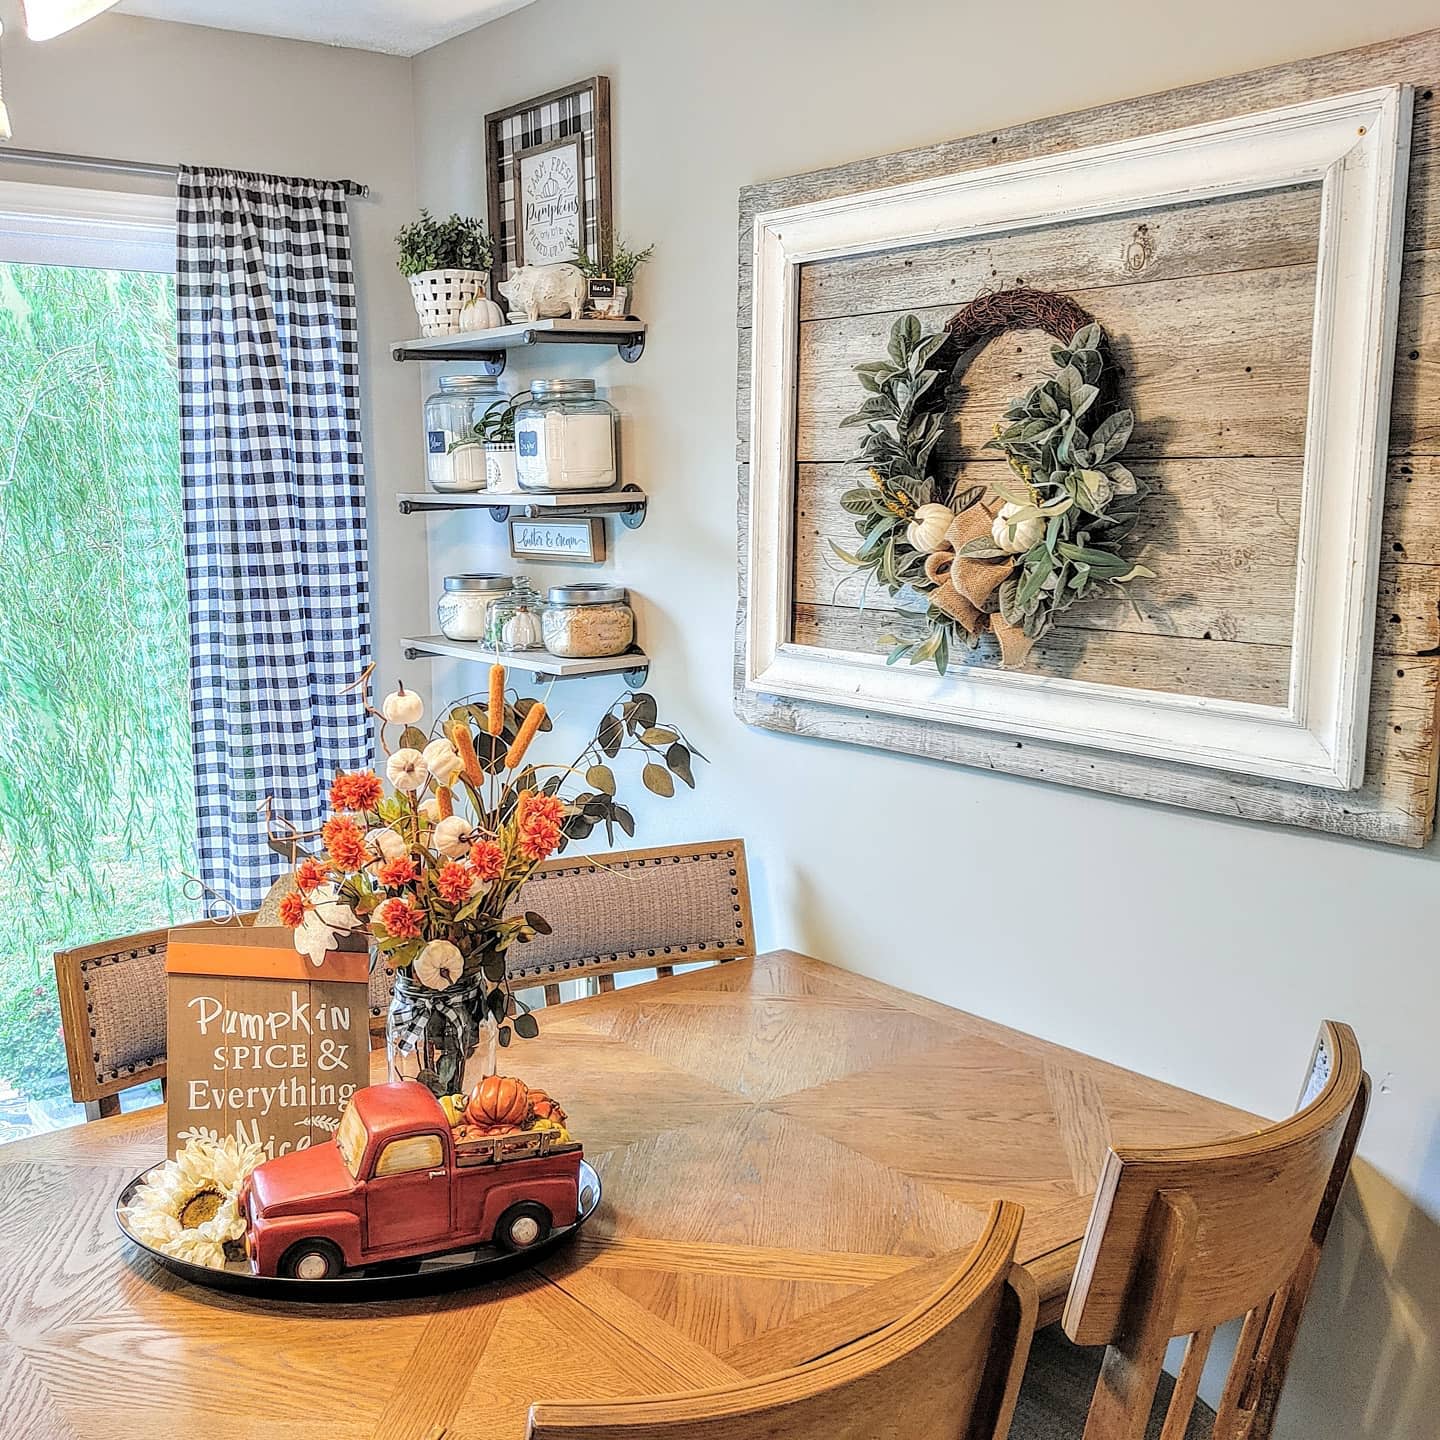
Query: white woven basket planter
point(439, 296)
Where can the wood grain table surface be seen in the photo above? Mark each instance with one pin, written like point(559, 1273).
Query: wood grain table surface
point(791, 1154)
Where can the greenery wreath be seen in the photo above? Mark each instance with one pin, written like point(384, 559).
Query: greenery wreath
point(1005, 556)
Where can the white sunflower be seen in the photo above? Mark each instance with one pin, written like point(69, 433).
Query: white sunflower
point(190, 1206)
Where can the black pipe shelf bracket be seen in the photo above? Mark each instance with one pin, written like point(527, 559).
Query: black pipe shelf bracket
point(487, 348)
point(630, 504)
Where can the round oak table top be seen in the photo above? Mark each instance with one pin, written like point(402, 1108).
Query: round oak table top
point(792, 1155)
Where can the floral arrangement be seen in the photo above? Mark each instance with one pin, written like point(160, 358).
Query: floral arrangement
point(189, 1207)
point(1006, 555)
point(430, 869)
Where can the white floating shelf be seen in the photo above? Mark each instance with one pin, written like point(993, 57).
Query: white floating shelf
point(629, 503)
point(489, 346)
point(633, 665)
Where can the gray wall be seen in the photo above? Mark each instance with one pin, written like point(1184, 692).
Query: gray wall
point(1233, 940)
point(138, 90)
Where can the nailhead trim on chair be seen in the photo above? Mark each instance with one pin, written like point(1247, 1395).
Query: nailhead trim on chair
point(105, 1076)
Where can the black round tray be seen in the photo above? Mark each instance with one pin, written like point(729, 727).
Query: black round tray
point(394, 1279)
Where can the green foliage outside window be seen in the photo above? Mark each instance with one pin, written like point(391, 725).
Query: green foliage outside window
point(96, 802)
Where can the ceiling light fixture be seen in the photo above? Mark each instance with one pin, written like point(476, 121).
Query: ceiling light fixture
point(45, 19)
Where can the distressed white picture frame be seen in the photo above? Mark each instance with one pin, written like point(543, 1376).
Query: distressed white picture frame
point(1356, 148)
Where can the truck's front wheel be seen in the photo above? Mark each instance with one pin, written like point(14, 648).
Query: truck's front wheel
point(312, 1260)
point(522, 1226)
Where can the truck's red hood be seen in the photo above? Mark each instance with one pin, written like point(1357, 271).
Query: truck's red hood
point(302, 1181)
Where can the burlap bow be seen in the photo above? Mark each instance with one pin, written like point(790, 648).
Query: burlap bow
point(964, 586)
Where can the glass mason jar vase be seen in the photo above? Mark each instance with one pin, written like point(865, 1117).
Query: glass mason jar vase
point(565, 438)
point(443, 1038)
point(454, 455)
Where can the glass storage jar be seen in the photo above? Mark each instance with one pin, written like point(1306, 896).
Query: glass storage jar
point(515, 619)
point(583, 622)
point(451, 415)
point(464, 609)
point(565, 438)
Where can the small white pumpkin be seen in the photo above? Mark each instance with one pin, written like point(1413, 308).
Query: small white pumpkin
point(452, 837)
point(926, 532)
point(481, 313)
point(1016, 536)
point(386, 844)
point(402, 707)
point(406, 770)
point(439, 965)
point(443, 761)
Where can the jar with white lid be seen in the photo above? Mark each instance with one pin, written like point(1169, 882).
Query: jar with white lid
point(585, 622)
point(463, 610)
point(565, 438)
point(454, 454)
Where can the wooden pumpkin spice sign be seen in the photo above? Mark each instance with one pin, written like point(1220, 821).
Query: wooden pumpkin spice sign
point(264, 1045)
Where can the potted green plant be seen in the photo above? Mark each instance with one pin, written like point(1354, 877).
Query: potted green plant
point(622, 268)
point(446, 263)
point(494, 434)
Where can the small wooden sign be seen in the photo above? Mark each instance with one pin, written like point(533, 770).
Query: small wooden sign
point(566, 539)
point(262, 1044)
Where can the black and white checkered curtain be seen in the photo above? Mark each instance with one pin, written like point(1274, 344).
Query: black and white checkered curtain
point(274, 501)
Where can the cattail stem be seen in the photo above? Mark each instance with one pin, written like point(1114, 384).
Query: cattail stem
point(495, 716)
point(445, 798)
point(532, 722)
point(469, 761)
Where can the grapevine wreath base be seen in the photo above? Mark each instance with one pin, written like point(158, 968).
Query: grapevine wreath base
point(1005, 555)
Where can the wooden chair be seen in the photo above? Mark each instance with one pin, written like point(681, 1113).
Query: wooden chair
point(949, 1370)
point(1182, 1239)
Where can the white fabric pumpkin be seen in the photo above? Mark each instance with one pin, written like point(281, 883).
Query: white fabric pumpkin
point(926, 532)
point(1016, 537)
point(443, 761)
point(402, 707)
point(406, 771)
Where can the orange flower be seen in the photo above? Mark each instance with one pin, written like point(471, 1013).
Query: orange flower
point(487, 859)
point(358, 790)
point(292, 910)
point(311, 872)
point(395, 873)
point(345, 841)
point(495, 715)
point(539, 841)
point(516, 753)
point(535, 806)
point(400, 918)
point(470, 763)
point(445, 802)
point(452, 884)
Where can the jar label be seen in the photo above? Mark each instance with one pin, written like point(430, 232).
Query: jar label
point(528, 443)
point(436, 441)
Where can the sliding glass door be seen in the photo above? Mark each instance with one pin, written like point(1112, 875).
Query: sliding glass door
point(96, 810)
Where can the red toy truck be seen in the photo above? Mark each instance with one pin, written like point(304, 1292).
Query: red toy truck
point(394, 1183)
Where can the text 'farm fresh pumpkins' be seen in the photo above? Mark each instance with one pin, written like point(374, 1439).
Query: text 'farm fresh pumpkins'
point(498, 1100)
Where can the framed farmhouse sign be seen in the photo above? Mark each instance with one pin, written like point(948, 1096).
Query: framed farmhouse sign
point(262, 1044)
point(551, 200)
point(1098, 449)
point(568, 539)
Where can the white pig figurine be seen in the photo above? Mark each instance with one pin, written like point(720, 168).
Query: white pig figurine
point(540, 292)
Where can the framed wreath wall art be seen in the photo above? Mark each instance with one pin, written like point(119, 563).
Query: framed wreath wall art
point(1005, 555)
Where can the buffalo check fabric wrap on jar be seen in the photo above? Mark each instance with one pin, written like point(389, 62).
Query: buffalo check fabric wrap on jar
point(273, 488)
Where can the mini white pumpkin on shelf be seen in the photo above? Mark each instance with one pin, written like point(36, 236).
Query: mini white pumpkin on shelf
point(926, 532)
point(481, 313)
point(1013, 536)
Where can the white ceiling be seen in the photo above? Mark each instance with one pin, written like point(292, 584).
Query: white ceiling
point(397, 27)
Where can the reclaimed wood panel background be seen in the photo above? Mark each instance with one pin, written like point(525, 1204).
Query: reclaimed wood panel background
point(1210, 308)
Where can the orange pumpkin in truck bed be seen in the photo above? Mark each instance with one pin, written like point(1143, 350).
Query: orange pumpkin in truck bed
point(498, 1100)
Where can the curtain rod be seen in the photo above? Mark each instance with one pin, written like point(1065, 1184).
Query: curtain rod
point(120, 167)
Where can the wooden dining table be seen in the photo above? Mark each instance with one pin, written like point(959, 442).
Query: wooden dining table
point(791, 1155)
